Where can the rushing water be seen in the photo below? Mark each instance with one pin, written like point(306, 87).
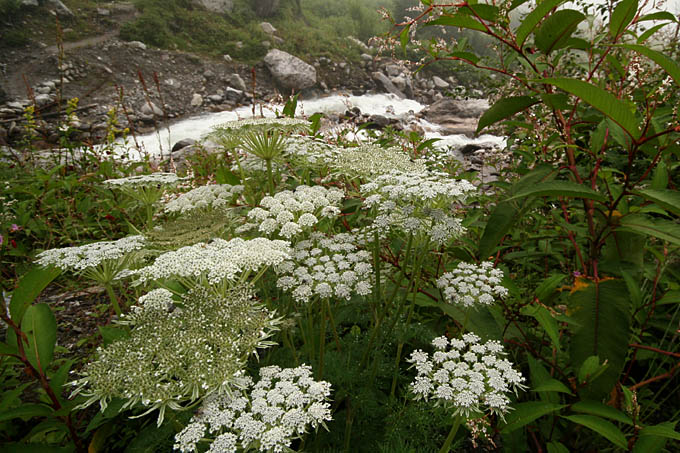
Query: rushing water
point(386, 105)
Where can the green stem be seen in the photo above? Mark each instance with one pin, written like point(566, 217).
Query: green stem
point(270, 177)
point(289, 345)
point(322, 340)
point(114, 299)
point(452, 434)
point(336, 337)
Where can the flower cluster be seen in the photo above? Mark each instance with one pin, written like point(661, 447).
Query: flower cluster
point(218, 261)
point(204, 197)
point(91, 255)
point(370, 160)
point(466, 375)
point(286, 124)
point(310, 152)
point(176, 353)
point(326, 267)
point(290, 213)
point(151, 180)
point(266, 416)
point(470, 284)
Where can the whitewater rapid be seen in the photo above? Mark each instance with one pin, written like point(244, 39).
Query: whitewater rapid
point(390, 106)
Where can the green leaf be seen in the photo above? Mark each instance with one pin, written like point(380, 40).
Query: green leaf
point(552, 385)
point(648, 33)
point(668, 64)
point(671, 297)
point(469, 56)
point(403, 37)
point(533, 18)
point(30, 286)
point(616, 109)
point(660, 179)
point(602, 410)
point(588, 368)
point(111, 333)
point(291, 106)
point(650, 444)
point(601, 426)
point(548, 286)
point(663, 430)
point(622, 16)
point(667, 199)
point(603, 313)
point(458, 20)
point(525, 413)
point(559, 101)
point(557, 29)
point(8, 349)
point(40, 326)
point(557, 447)
point(661, 15)
point(546, 321)
point(486, 12)
point(501, 220)
point(26, 411)
point(503, 109)
point(17, 447)
point(659, 228)
point(559, 188)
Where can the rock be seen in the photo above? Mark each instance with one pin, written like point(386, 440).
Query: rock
point(440, 83)
point(151, 109)
point(473, 108)
point(238, 45)
point(380, 120)
point(233, 94)
point(137, 45)
point(29, 3)
point(43, 99)
point(393, 70)
point(228, 58)
point(266, 44)
point(366, 57)
point(387, 84)
point(17, 106)
point(3, 95)
point(235, 81)
point(60, 8)
point(277, 40)
point(196, 100)
point(43, 90)
point(103, 12)
point(215, 98)
point(208, 74)
point(399, 82)
point(267, 28)
point(469, 148)
point(124, 8)
point(50, 84)
point(183, 144)
point(173, 83)
point(290, 71)
point(358, 42)
point(216, 6)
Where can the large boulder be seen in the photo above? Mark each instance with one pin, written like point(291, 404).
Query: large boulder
point(289, 71)
point(456, 116)
point(216, 6)
point(60, 8)
point(388, 85)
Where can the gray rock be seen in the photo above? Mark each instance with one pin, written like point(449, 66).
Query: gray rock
point(366, 57)
point(440, 83)
point(290, 71)
point(238, 45)
point(399, 82)
point(228, 58)
point(124, 7)
point(216, 6)
point(387, 84)
point(357, 42)
point(267, 28)
point(196, 100)
point(16, 105)
point(173, 83)
point(103, 12)
point(473, 108)
point(60, 8)
point(393, 70)
point(277, 40)
point(29, 3)
point(43, 90)
point(183, 144)
point(151, 109)
point(208, 74)
point(43, 99)
point(137, 45)
point(233, 94)
point(215, 98)
point(49, 84)
point(235, 81)
point(266, 44)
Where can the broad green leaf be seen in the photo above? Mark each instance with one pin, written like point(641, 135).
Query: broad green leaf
point(505, 108)
point(26, 411)
point(403, 37)
point(601, 410)
point(659, 228)
point(559, 188)
point(30, 286)
point(557, 447)
point(533, 18)
point(40, 326)
point(539, 375)
point(622, 16)
point(548, 286)
point(667, 199)
point(501, 220)
point(525, 413)
point(661, 15)
point(486, 12)
point(616, 109)
point(557, 29)
point(559, 101)
point(648, 33)
point(458, 20)
point(553, 385)
point(469, 56)
point(601, 426)
point(650, 444)
point(663, 430)
point(671, 297)
point(20, 447)
point(546, 321)
point(58, 379)
point(668, 64)
point(517, 3)
point(589, 368)
point(8, 349)
point(602, 310)
point(660, 179)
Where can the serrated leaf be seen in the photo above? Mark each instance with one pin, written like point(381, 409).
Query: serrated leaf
point(458, 20)
point(668, 64)
point(533, 18)
point(601, 426)
point(622, 16)
point(667, 199)
point(525, 413)
point(603, 312)
point(552, 385)
point(616, 109)
point(30, 286)
point(505, 108)
point(659, 228)
point(557, 29)
point(601, 410)
point(40, 327)
point(559, 188)
point(660, 15)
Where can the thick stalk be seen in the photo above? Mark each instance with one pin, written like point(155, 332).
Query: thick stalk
point(114, 299)
point(452, 434)
point(322, 340)
point(270, 177)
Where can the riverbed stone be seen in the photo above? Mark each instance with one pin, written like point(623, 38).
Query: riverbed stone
point(290, 71)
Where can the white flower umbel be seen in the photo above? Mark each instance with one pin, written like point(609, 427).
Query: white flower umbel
point(150, 180)
point(177, 353)
point(370, 160)
point(466, 375)
point(285, 124)
point(289, 213)
point(417, 203)
point(88, 256)
point(326, 267)
point(471, 284)
point(219, 262)
point(266, 416)
point(213, 196)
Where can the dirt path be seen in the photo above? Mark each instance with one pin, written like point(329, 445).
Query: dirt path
point(91, 41)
